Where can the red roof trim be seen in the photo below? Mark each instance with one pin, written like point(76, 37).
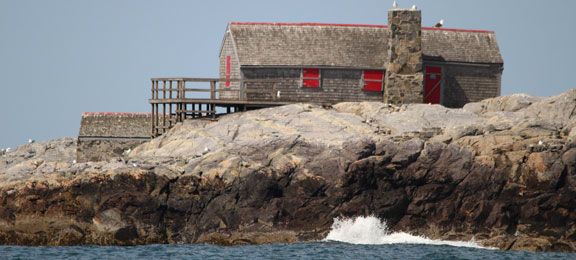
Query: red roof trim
point(310, 24)
point(356, 25)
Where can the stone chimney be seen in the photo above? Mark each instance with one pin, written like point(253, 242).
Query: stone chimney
point(404, 78)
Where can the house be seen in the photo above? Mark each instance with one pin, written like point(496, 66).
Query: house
point(330, 63)
point(271, 64)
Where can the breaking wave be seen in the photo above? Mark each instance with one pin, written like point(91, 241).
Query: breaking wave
point(372, 231)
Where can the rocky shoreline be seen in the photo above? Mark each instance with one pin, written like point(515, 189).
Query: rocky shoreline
point(501, 172)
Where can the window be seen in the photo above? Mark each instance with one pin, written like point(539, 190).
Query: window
point(373, 80)
point(311, 78)
point(228, 66)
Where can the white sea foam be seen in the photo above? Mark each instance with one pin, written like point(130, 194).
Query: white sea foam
point(372, 231)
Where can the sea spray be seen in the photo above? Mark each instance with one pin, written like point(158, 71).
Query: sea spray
point(371, 231)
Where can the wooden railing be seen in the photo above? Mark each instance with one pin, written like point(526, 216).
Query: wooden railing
point(173, 99)
point(176, 88)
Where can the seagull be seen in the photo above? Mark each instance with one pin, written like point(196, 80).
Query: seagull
point(540, 142)
point(395, 4)
point(206, 149)
point(414, 8)
point(278, 94)
point(74, 162)
point(8, 150)
point(31, 141)
point(440, 24)
point(135, 165)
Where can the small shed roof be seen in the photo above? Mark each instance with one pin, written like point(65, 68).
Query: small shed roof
point(351, 45)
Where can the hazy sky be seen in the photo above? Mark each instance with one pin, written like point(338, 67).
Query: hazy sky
point(59, 58)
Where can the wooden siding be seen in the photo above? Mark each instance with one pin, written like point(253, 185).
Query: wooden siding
point(469, 83)
point(337, 85)
point(229, 50)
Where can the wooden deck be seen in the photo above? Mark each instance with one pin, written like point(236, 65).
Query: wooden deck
point(173, 101)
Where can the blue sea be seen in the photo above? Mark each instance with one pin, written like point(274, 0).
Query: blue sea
point(316, 250)
point(351, 238)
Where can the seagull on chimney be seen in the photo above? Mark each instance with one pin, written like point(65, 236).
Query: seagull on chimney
point(395, 4)
point(439, 24)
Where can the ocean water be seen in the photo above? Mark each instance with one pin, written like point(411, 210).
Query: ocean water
point(358, 238)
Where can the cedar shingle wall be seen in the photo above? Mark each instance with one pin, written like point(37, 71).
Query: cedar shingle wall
point(337, 86)
point(465, 83)
point(462, 84)
point(228, 50)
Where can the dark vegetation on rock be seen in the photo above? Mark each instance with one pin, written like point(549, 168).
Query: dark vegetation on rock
point(501, 171)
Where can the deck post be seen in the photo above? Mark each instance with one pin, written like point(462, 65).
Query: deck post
point(152, 107)
point(213, 97)
point(163, 107)
point(241, 91)
point(170, 105)
point(212, 89)
point(193, 108)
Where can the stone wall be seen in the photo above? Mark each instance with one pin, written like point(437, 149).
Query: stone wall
point(404, 75)
point(108, 135)
point(337, 85)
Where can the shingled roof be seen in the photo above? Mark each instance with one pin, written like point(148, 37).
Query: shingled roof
point(358, 46)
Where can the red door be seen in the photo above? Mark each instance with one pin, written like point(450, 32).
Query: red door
point(433, 85)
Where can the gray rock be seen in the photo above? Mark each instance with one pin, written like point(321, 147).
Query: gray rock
point(503, 172)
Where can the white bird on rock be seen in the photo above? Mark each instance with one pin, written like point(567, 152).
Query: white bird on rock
point(8, 150)
point(395, 4)
point(74, 162)
point(31, 141)
point(439, 24)
point(135, 165)
point(414, 8)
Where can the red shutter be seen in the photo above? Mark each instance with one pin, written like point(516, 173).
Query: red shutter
point(228, 66)
point(373, 80)
point(311, 78)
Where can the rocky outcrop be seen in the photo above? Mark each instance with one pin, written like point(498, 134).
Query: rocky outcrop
point(502, 172)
